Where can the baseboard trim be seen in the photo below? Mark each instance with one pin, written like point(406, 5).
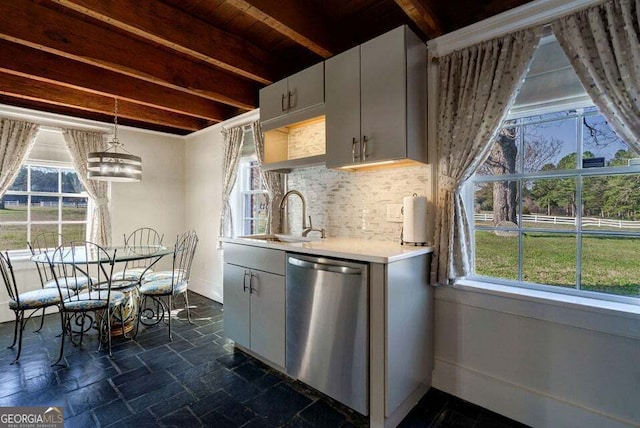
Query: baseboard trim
point(516, 402)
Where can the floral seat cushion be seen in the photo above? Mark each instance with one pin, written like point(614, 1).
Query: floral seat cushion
point(133, 274)
point(39, 298)
point(163, 274)
point(71, 282)
point(88, 302)
point(162, 287)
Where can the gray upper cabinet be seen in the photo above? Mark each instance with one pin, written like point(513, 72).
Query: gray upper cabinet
point(293, 99)
point(376, 101)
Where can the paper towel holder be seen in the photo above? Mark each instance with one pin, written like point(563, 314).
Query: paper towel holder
point(402, 241)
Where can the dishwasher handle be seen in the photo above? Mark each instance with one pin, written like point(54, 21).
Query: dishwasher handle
point(336, 268)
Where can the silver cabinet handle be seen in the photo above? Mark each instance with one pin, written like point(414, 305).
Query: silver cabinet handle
point(251, 289)
point(353, 150)
point(282, 103)
point(364, 147)
point(345, 270)
point(244, 281)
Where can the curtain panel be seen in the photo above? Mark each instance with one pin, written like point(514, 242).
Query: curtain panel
point(273, 181)
point(16, 140)
point(478, 84)
point(80, 143)
point(232, 148)
point(603, 46)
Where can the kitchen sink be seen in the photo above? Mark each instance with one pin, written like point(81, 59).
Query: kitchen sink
point(281, 238)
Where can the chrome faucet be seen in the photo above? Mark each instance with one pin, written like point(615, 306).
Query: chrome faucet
point(304, 208)
point(305, 229)
point(310, 229)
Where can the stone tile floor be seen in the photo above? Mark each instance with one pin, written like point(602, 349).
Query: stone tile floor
point(198, 379)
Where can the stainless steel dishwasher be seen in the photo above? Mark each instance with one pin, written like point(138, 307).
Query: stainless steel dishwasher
point(327, 327)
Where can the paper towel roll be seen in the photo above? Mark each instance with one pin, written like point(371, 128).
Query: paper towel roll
point(414, 222)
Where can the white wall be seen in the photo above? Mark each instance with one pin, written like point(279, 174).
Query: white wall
point(158, 201)
point(203, 199)
point(544, 364)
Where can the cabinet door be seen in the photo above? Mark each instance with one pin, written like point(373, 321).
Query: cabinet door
point(342, 108)
point(273, 100)
point(237, 301)
point(267, 316)
point(306, 88)
point(383, 95)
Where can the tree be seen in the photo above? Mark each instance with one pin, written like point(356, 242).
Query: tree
point(538, 151)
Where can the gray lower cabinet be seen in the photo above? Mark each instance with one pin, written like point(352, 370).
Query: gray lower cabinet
point(254, 301)
point(375, 101)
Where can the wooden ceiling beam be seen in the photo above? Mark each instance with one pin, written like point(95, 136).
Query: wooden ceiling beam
point(166, 26)
point(22, 87)
point(39, 65)
point(294, 19)
point(39, 27)
point(89, 115)
point(422, 15)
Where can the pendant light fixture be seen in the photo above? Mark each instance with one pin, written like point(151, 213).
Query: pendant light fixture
point(115, 163)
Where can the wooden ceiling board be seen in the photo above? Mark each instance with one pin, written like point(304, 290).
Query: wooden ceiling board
point(22, 87)
point(107, 119)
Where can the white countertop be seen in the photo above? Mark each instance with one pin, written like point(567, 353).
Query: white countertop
point(344, 248)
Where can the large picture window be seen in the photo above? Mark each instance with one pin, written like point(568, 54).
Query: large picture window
point(42, 198)
point(557, 205)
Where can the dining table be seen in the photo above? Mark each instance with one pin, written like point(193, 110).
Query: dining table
point(124, 318)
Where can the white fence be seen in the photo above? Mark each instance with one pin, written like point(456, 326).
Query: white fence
point(558, 220)
point(46, 204)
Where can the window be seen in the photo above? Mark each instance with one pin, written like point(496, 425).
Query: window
point(253, 199)
point(557, 205)
point(249, 198)
point(46, 196)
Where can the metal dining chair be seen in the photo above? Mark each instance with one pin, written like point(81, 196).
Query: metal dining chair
point(134, 270)
point(49, 241)
point(162, 287)
point(27, 301)
point(91, 263)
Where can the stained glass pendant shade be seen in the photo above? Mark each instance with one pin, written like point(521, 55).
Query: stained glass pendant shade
point(115, 163)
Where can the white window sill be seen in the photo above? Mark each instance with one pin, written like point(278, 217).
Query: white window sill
point(597, 315)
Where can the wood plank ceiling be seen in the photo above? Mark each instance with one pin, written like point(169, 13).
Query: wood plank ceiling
point(181, 65)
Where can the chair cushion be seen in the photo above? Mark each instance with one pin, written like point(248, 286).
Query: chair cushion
point(85, 302)
point(133, 274)
point(162, 287)
point(117, 284)
point(69, 282)
point(39, 298)
point(163, 274)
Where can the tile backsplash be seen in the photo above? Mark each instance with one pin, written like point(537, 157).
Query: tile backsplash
point(307, 140)
point(354, 204)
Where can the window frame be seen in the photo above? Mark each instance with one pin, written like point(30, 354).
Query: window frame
point(60, 166)
point(467, 192)
point(241, 190)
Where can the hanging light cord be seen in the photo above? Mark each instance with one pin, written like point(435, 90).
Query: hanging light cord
point(115, 140)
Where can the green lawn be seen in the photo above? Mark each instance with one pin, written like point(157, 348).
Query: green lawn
point(13, 237)
point(608, 264)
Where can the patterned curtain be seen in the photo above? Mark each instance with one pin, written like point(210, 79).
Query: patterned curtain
point(477, 86)
point(603, 45)
point(16, 140)
point(80, 143)
point(233, 139)
point(273, 181)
